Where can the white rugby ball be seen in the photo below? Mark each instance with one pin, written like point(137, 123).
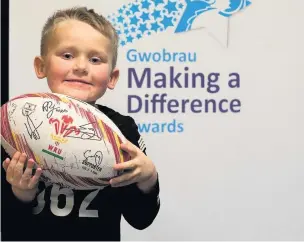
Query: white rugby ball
point(75, 143)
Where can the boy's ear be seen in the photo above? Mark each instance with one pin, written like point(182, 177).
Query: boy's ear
point(39, 67)
point(113, 78)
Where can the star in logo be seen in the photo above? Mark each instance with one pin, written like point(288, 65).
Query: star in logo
point(148, 17)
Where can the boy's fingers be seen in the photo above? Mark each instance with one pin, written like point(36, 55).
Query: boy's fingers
point(6, 163)
point(18, 171)
point(125, 183)
point(30, 163)
point(130, 148)
point(27, 175)
point(129, 176)
point(11, 167)
point(128, 165)
point(35, 178)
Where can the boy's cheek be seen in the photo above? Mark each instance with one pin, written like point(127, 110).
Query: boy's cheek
point(101, 73)
point(60, 68)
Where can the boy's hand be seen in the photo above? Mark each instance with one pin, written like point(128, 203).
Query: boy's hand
point(140, 169)
point(15, 175)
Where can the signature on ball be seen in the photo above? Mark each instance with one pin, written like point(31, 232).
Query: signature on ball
point(50, 107)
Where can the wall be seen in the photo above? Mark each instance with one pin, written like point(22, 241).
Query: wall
point(226, 176)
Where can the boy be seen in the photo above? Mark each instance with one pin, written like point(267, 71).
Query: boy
point(78, 58)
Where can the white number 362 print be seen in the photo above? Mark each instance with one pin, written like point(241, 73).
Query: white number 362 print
point(69, 203)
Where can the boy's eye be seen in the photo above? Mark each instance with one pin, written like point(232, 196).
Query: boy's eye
point(67, 56)
point(95, 60)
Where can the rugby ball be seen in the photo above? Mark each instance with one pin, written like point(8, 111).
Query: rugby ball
point(74, 143)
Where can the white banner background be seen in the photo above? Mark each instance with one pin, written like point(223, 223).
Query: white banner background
point(234, 176)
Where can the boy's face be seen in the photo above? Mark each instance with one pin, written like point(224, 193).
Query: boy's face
point(78, 62)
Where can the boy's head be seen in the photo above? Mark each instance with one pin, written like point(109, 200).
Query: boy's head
point(78, 54)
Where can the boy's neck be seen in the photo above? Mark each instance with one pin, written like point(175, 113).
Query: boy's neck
point(93, 104)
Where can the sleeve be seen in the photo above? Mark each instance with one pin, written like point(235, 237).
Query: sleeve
point(14, 211)
point(139, 209)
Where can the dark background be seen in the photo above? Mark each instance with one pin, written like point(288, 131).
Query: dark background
point(5, 200)
point(4, 50)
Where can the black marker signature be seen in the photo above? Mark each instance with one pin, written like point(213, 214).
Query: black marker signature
point(75, 164)
point(62, 166)
point(32, 130)
point(87, 132)
point(50, 107)
point(10, 113)
point(97, 157)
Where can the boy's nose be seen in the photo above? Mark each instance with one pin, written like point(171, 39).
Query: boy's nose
point(80, 67)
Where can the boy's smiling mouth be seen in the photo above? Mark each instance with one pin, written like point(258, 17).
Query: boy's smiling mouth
point(78, 81)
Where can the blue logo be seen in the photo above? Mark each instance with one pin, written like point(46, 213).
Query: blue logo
point(146, 17)
point(143, 18)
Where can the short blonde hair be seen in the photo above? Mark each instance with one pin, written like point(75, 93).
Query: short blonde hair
point(85, 15)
